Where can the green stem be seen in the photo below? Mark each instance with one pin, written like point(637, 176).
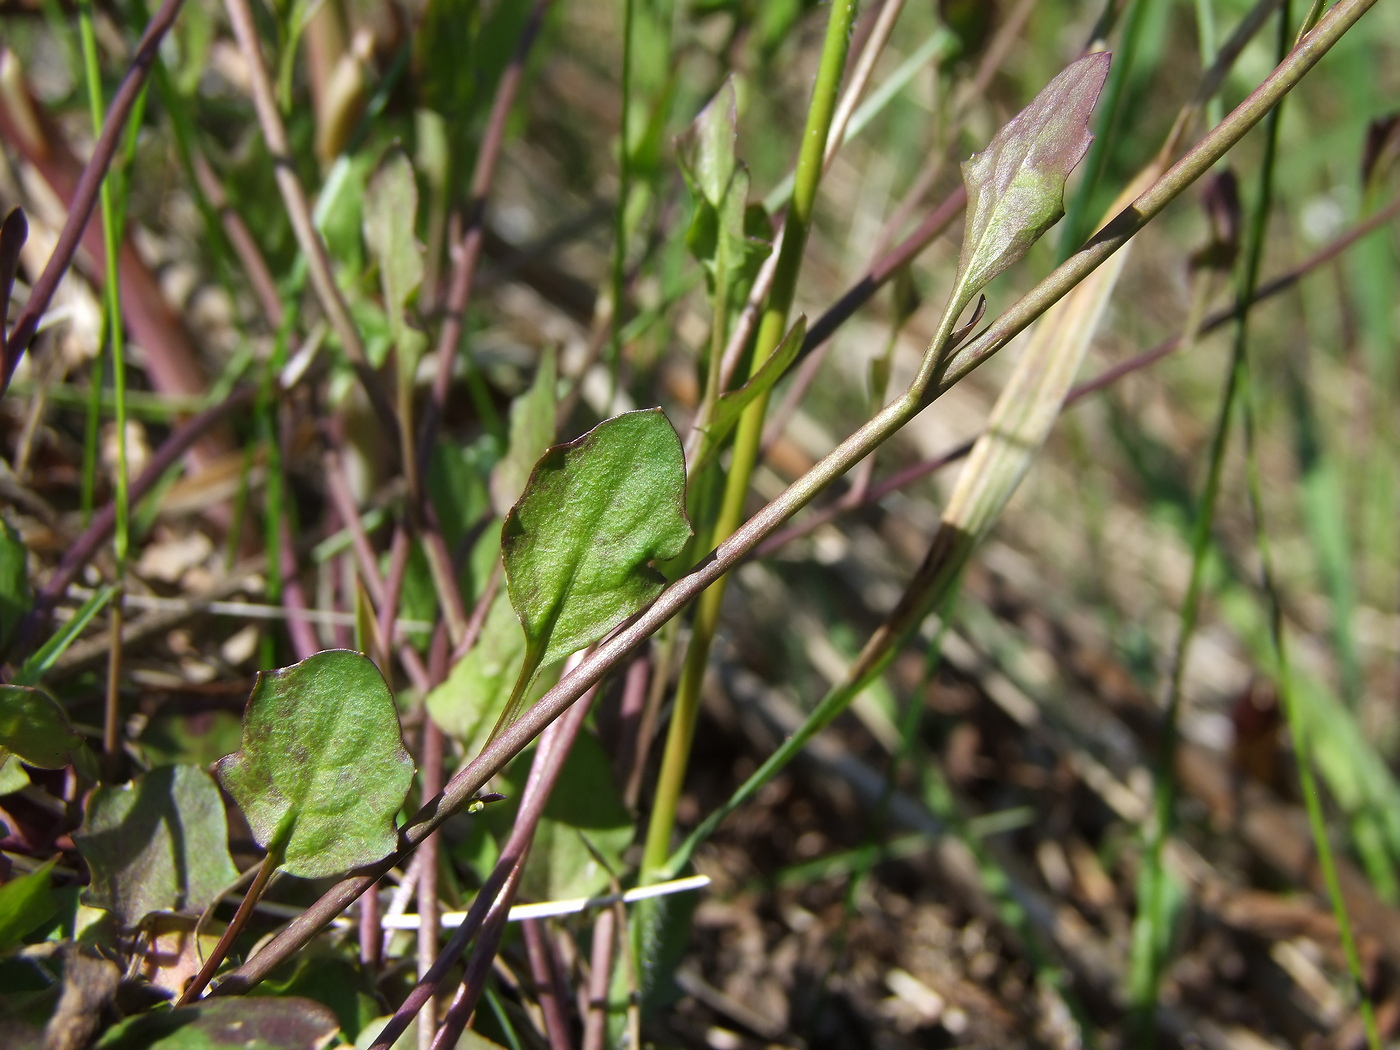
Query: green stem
point(771, 328)
point(111, 731)
point(1150, 942)
point(1297, 725)
point(624, 179)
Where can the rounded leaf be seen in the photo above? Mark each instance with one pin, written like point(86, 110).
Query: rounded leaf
point(35, 728)
point(596, 513)
point(322, 770)
point(156, 844)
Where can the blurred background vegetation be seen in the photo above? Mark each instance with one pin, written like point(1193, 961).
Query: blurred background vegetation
point(956, 862)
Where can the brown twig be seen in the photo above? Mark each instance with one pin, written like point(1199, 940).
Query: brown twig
point(85, 195)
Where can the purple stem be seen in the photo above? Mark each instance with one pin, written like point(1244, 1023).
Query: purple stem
point(553, 748)
point(549, 984)
point(85, 196)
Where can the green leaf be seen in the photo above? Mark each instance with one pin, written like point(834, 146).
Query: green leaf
point(726, 234)
point(390, 218)
point(1016, 186)
point(458, 485)
point(322, 770)
point(578, 547)
point(477, 688)
point(35, 728)
point(26, 903)
point(531, 432)
point(12, 775)
point(724, 417)
point(15, 597)
point(338, 210)
point(157, 844)
point(227, 1024)
point(706, 150)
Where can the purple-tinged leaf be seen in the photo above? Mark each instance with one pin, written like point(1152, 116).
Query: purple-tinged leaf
point(227, 1024)
point(1016, 186)
point(322, 771)
point(157, 844)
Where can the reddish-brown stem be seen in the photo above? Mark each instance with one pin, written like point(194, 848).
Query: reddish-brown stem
point(595, 1022)
point(430, 771)
point(235, 927)
point(459, 1014)
point(399, 549)
point(241, 240)
point(299, 628)
point(343, 500)
point(630, 712)
point(544, 772)
point(371, 938)
point(549, 984)
point(85, 195)
point(468, 252)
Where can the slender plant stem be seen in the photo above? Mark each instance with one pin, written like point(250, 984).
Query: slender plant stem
point(298, 209)
point(549, 986)
point(1151, 933)
point(1148, 948)
point(469, 779)
point(624, 185)
point(430, 772)
point(595, 1021)
point(544, 774)
point(201, 980)
point(1299, 731)
point(478, 970)
point(111, 721)
point(1297, 724)
point(771, 327)
point(85, 194)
